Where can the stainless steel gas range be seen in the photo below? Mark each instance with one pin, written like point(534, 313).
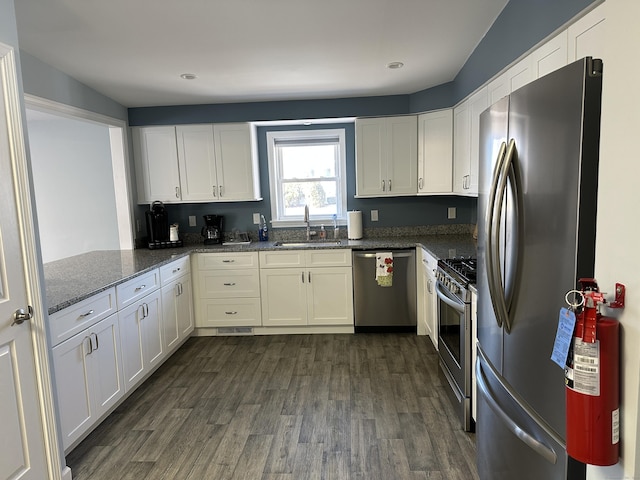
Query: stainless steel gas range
point(454, 331)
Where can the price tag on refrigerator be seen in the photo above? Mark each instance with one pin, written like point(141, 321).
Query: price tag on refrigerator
point(564, 336)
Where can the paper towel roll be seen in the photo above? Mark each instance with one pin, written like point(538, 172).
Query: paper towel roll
point(354, 225)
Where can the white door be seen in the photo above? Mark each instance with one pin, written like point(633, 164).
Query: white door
point(22, 449)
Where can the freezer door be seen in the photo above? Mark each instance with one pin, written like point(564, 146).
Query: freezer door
point(511, 443)
point(548, 121)
point(493, 138)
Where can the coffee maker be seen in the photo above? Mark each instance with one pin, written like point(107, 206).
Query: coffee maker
point(212, 230)
point(157, 223)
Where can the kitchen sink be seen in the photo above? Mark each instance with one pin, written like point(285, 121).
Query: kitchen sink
point(310, 243)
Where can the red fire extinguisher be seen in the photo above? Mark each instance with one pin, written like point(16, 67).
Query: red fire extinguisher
point(592, 379)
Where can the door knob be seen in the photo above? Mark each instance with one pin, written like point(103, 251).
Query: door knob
point(20, 315)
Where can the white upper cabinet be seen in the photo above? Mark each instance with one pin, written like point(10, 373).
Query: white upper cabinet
point(156, 158)
point(197, 160)
point(197, 163)
point(236, 162)
point(435, 152)
point(586, 36)
point(466, 121)
point(386, 156)
point(550, 56)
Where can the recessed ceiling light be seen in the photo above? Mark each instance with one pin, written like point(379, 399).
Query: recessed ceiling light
point(188, 76)
point(395, 65)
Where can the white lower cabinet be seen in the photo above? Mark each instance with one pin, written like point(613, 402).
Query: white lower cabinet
point(141, 338)
point(177, 303)
point(427, 302)
point(306, 294)
point(227, 290)
point(89, 380)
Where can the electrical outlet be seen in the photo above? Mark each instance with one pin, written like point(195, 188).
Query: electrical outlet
point(374, 215)
point(256, 219)
point(451, 213)
point(192, 220)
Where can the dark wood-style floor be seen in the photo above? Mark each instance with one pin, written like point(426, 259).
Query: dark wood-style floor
point(285, 408)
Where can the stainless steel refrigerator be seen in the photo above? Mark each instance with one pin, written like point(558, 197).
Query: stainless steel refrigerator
point(536, 236)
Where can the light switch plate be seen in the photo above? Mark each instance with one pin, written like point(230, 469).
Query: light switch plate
point(192, 220)
point(256, 219)
point(374, 215)
point(451, 213)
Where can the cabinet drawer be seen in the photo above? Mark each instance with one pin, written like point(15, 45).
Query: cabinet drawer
point(238, 312)
point(69, 321)
point(130, 291)
point(282, 259)
point(329, 258)
point(428, 261)
point(229, 284)
point(173, 270)
point(231, 260)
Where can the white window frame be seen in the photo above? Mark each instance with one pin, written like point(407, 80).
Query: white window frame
point(275, 184)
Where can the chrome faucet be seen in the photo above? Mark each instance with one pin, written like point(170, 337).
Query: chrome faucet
point(306, 220)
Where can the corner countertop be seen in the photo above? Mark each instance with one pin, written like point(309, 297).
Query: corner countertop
point(71, 280)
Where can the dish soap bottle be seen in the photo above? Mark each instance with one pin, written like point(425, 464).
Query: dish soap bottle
point(323, 232)
point(263, 232)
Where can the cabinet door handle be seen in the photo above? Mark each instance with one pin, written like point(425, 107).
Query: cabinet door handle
point(91, 337)
point(140, 288)
point(230, 284)
point(231, 313)
point(389, 184)
point(228, 261)
point(420, 182)
point(383, 187)
point(180, 288)
point(177, 192)
point(429, 286)
point(309, 277)
point(302, 277)
point(90, 346)
point(220, 190)
point(213, 190)
point(90, 312)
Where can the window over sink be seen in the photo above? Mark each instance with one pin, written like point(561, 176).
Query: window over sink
point(307, 167)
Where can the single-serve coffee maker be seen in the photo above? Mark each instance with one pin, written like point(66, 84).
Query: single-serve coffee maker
point(157, 223)
point(212, 230)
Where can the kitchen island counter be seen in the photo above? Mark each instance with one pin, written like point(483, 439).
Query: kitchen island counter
point(71, 280)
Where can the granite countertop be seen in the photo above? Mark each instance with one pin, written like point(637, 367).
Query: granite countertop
point(73, 279)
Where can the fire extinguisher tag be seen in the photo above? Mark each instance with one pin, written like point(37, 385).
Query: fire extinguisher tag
point(615, 426)
point(564, 336)
point(586, 367)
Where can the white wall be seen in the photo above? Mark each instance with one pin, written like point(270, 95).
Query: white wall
point(73, 185)
point(618, 239)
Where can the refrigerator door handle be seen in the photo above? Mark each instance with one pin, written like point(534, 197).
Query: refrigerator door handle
point(492, 254)
point(540, 448)
point(514, 254)
point(500, 301)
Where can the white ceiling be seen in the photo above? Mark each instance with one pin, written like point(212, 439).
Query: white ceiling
point(134, 51)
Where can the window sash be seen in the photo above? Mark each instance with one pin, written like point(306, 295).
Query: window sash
point(276, 141)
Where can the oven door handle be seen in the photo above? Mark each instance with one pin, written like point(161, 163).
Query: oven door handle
point(458, 306)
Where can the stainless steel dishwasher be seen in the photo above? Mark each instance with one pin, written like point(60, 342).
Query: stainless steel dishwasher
point(384, 309)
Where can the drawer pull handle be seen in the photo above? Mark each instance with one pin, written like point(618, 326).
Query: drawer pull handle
point(231, 313)
point(176, 270)
point(229, 284)
point(90, 312)
point(228, 261)
point(140, 288)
